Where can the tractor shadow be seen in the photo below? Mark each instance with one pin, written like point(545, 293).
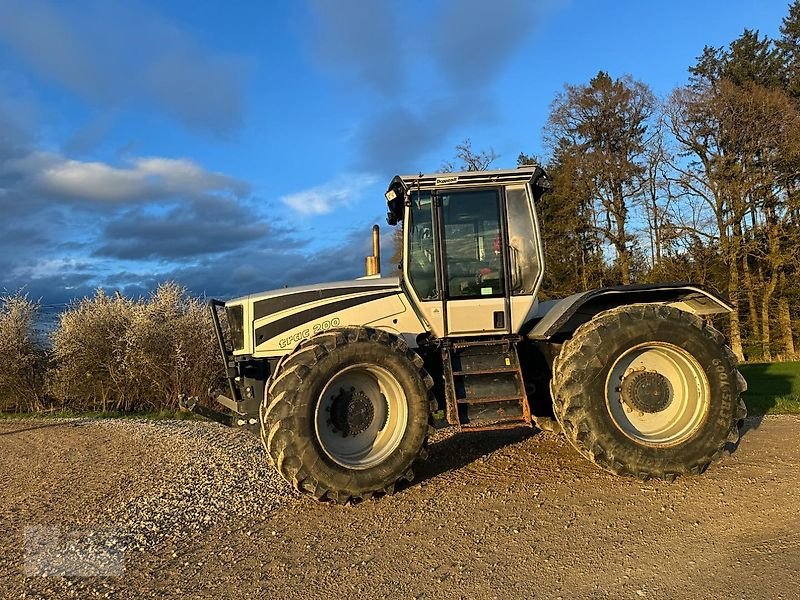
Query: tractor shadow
point(461, 449)
point(38, 426)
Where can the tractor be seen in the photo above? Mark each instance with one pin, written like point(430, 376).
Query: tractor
point(342, 381)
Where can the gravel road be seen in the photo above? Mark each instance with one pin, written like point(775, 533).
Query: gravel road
point(191, 509)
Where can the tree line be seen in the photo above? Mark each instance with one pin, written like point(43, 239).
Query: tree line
point(701, 186)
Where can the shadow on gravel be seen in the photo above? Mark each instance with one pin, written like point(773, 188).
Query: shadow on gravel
point(34, 427)
point(461, 449)
point(750, 424)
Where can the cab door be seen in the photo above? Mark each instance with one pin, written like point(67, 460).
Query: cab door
point(474, 265)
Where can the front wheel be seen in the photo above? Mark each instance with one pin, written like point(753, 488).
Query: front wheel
point(347, 414)
point(648, 390)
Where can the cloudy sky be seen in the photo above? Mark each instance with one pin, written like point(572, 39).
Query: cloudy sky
point(242, 149)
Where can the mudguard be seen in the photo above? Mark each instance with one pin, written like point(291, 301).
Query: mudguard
point(565, 315)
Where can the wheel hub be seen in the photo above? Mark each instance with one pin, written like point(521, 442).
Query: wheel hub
point(351, 411)
point(645, 391)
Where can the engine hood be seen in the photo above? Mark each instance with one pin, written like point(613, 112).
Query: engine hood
point(280, 319)
point(272, 301)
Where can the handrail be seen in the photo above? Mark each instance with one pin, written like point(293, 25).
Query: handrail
point(227, 356)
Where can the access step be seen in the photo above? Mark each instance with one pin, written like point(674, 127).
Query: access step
point(484, 385)
point(511, 423)
point(489, 399)
point(485, 371)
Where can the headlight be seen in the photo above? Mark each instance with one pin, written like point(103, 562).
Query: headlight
point(236, 325)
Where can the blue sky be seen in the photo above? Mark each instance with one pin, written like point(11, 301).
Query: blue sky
point(238, 147)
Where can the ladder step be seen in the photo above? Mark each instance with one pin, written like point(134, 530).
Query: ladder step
point(488, 399)
point(485, 371)
point(486, 343)
point(502, 423)
point(481, 406)
point(496, 427)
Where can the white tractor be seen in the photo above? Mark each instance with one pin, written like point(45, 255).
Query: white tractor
point(341, 380)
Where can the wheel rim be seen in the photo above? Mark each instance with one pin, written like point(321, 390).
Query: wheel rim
point(657, 394)
point(361, 416)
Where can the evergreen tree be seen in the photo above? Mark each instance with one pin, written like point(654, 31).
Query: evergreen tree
point(604, 126)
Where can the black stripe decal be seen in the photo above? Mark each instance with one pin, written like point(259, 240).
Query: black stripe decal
point(270, 330)
point(268, 306)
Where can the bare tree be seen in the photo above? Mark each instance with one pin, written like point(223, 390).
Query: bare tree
point(466, 159)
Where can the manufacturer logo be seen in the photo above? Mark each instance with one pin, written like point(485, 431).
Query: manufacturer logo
point(446, 180)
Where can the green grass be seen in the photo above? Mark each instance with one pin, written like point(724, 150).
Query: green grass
point(772, 388)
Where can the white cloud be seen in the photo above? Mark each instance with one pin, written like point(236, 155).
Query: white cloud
point(140, 179)
point(92, 180)
point(322, 199)
point(182, 174)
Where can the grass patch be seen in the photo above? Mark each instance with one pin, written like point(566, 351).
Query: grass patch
point(772, 388)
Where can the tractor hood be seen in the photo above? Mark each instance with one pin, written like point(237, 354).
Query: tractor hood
point(277, 300)
point(283, 318)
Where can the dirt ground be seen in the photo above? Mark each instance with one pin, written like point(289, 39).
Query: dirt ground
point(491, 515)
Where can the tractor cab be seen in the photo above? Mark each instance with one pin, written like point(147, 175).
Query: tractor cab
point(472, 260)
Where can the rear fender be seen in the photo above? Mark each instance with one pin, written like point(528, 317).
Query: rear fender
point(559, 318)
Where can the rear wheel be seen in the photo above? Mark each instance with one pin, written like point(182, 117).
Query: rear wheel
point(648, 390)
point(347, 414)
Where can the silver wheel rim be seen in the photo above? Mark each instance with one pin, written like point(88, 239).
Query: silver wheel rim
point(381, 397)
point(677, 413)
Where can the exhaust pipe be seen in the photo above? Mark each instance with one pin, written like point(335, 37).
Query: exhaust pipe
point(373, 266)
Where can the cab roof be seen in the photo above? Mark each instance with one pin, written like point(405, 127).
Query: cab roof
point(403, 185)
point(431, 181)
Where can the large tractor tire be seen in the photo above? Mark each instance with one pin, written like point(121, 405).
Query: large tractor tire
point(648, 391)
point(347, 413)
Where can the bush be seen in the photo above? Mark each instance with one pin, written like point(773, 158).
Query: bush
point(171, 347)
point(89, 351)
point(23, 363)
point(132, 355)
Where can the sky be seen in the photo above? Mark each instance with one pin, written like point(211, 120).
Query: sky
point(240, 147)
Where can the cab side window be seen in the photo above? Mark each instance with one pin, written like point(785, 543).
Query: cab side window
point(523, 258)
